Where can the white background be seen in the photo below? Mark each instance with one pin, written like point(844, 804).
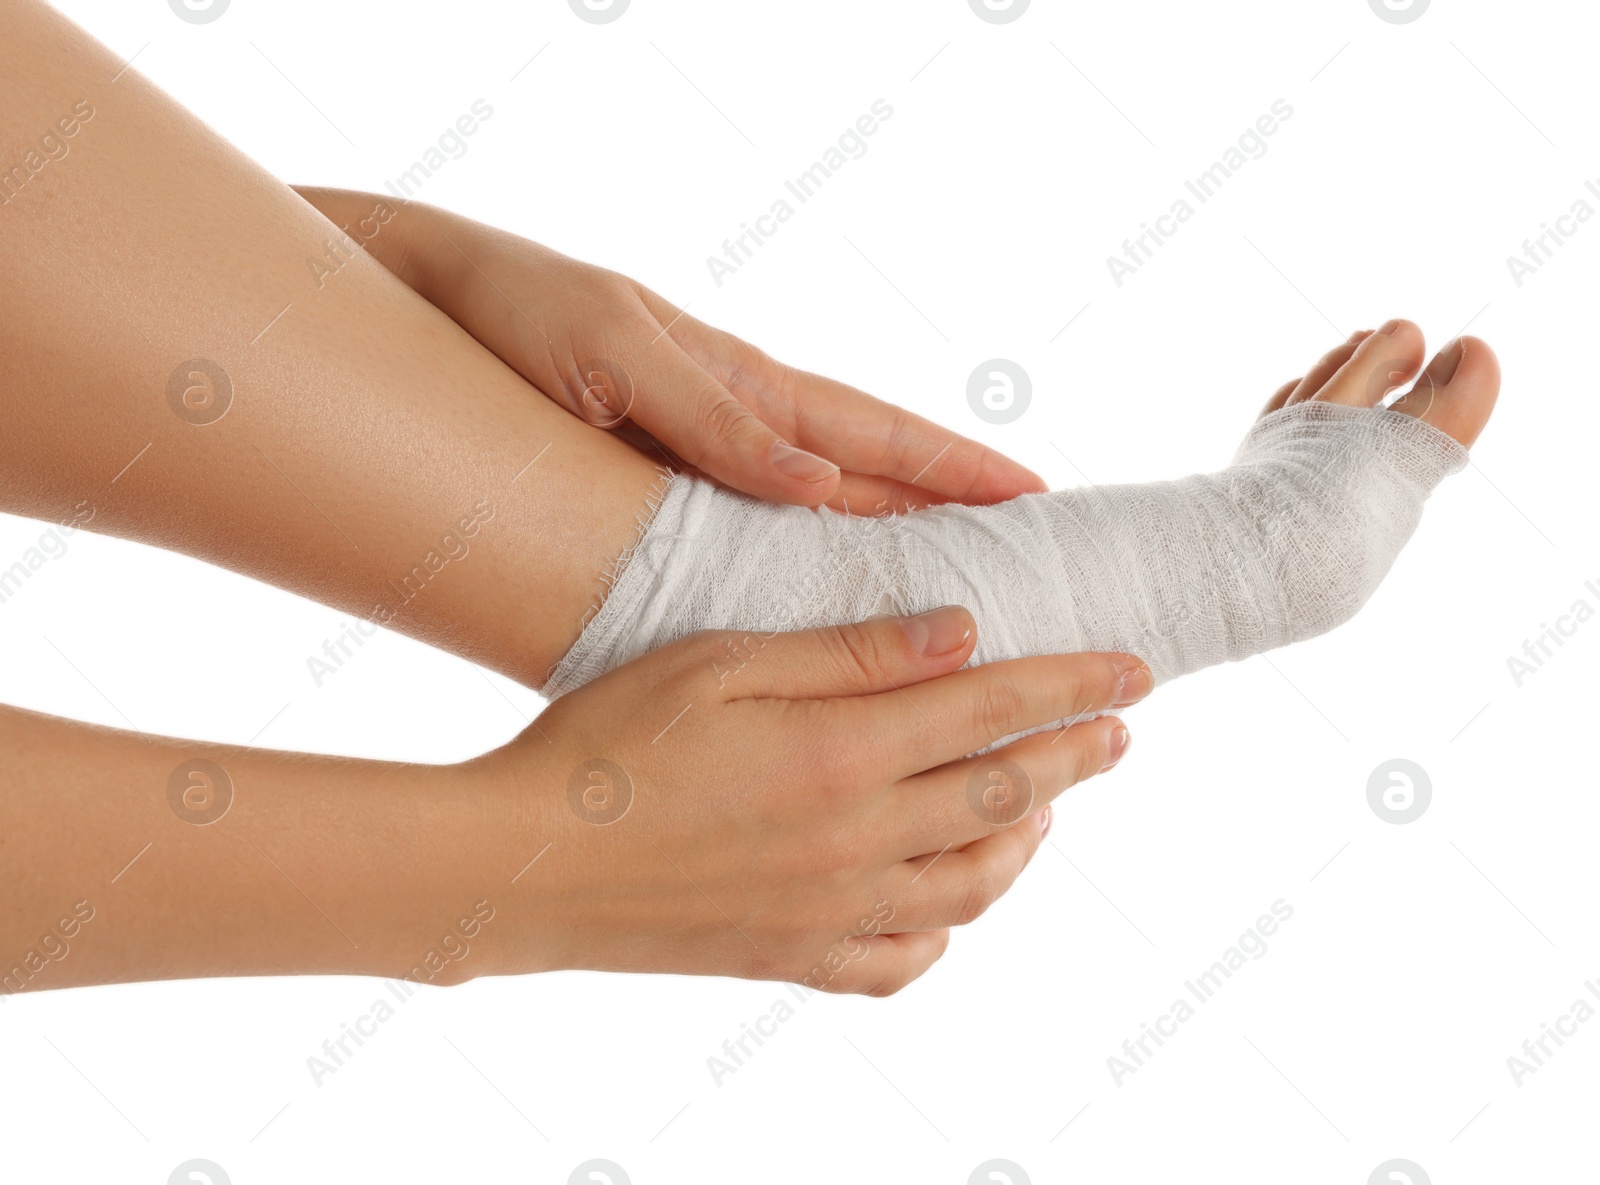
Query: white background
point(1019, 156)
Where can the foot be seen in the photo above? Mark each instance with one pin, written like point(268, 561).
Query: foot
point(1284, 544)
point(1455, 393)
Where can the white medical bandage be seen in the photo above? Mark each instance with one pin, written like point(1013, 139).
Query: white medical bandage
point(1286, 543)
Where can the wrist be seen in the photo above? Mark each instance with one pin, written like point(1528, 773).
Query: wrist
point(517, 857)
point(476, 867)
point(408, 238)
point(416, 245)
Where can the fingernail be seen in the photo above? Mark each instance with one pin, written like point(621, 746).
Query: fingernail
point(938, 631)
point(1444, 366)
point(1135, 684)
point(1389, 327)
point(1358, 335)
point(1119, 746)
point(796, 462)
point(1045, 817)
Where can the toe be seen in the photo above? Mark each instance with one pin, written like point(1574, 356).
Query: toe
point(1280, 397)
point(1327, 366)
point(1382, 362)
point(1457, 391)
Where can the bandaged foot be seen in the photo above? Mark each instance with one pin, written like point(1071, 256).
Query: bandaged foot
point(1284, 544)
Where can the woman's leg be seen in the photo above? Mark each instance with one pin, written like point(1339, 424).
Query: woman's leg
point(370, 454)
point(368, 436)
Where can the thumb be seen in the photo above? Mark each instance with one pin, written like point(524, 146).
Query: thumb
point(694, 415)
point(861, 658)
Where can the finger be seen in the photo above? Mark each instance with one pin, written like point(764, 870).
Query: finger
point(857, 659)
point(697, 418)
point(917, 728)
point(970, 799)
point(848, 426)
point(867, 435)
point(958, 887)
point(880, 965)
point(868, 495)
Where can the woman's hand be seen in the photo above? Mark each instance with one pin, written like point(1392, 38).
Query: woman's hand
point(617, 355)
point(791, 806)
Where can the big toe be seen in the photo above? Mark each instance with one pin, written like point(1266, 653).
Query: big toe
point(1457, 391)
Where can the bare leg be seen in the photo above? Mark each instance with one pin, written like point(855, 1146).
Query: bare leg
point(364, 429)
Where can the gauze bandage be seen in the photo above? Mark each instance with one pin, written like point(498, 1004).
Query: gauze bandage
point(1286, 543)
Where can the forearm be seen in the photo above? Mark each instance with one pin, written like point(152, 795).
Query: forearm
point(110, 871)
point(409, 238)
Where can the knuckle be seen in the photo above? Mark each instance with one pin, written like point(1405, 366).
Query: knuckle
point(820, 977)
point(689, 655)
point(962, 467)
point(900, 440)
point(1009, 862)
point(614, 286)
point(747, 363)
point(979, 894)
point(1088, 686)
point(883, 986)
point(1084, 763)
point(789, 384)
point(998, 707)
point(704, 662)
point(836, 859)
point(1090, 753)
point(702, 642)
point(733, 649)
point(723, 421)
point(1088, 683)
point(834, 986)
point(858, 650)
